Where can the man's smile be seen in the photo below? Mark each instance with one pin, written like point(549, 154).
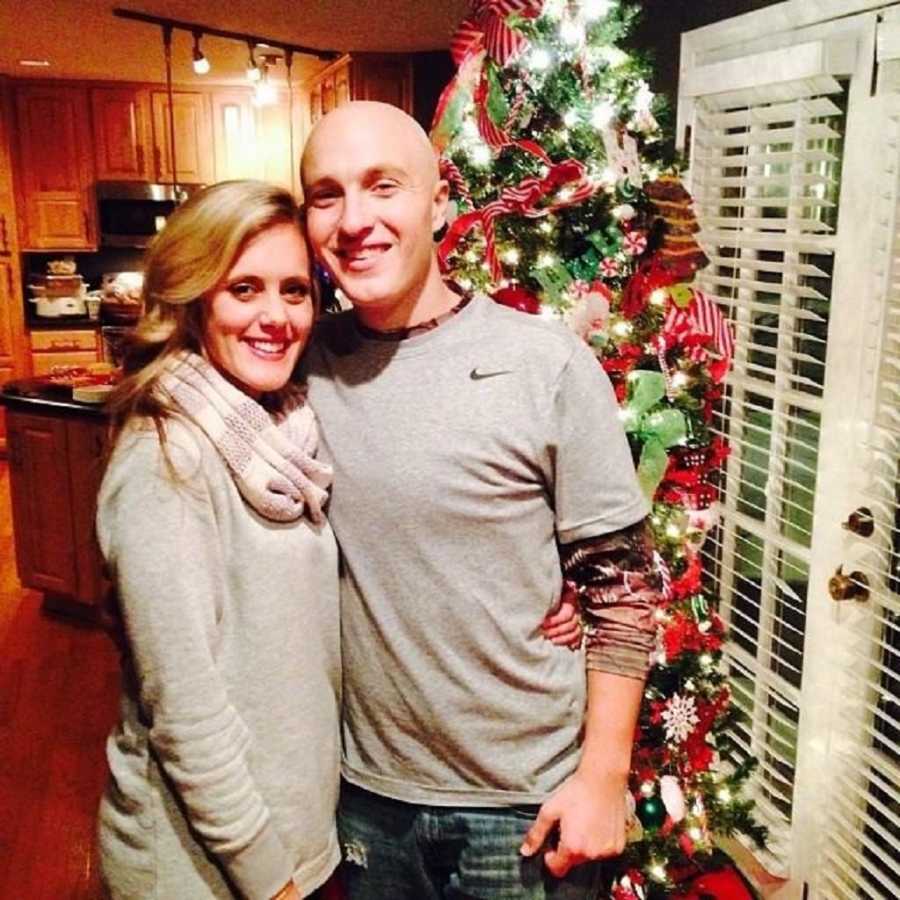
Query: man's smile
point(364, 257)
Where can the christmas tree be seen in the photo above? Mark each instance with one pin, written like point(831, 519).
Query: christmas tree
point(566, 205)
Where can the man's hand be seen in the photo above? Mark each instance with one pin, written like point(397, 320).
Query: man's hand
point(563, 626)
point(590, 814)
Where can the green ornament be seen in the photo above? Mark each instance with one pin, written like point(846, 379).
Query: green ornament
point(554, 280)
point(606, 242)
point(699, 607)
point(585, 267)
point(651, 812)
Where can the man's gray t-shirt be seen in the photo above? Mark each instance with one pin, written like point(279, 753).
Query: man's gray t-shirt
point(461, 457)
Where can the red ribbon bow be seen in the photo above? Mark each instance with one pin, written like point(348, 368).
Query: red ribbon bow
point(521, 200)
point(486, 27)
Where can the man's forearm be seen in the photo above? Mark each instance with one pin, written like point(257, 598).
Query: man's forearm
point(613, 705)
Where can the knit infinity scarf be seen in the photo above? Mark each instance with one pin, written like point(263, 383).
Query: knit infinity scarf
point(271, 459)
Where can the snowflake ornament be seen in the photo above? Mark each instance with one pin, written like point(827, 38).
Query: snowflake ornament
point(680, 718)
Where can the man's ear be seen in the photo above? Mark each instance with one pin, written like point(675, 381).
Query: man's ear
point(439, 205)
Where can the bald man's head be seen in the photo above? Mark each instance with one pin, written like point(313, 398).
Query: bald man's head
point(361, 120)
point(374, 199)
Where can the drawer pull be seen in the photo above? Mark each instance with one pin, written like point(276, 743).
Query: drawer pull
point(64, 345)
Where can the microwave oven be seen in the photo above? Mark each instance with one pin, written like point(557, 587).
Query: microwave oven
point(132, 212)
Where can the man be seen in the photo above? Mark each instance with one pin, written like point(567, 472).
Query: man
point(477, 456)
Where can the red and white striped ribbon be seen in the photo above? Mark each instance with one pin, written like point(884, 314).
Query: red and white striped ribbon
point(568, 178)
point(701, 317)
point(486, 26)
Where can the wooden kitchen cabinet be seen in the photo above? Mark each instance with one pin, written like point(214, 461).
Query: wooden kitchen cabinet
point(55, 473)
point(77, 347)
point(387, 78)
point(12, 314)
point(234, 135)
point(123, 135)
point(10, 309)
point(194, 153)
point(55, 167)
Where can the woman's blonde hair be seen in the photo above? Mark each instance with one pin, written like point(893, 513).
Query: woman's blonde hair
point(185, 261)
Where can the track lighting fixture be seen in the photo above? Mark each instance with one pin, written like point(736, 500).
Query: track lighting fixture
point(253, 72)
point(264, 93)
point(198, 30)
point(201, 63)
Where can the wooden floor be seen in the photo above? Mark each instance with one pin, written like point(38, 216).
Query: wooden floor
point(58, 695)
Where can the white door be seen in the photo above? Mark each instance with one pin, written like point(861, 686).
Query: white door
point(794, 162)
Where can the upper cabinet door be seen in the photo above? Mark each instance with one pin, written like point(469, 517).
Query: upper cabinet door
point(385, 78)
point(122, 135)
point(193, 138)
point(56, 168)
point(234, 128)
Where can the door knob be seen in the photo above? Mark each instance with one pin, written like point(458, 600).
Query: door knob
point(861, 522)
point(854, 586)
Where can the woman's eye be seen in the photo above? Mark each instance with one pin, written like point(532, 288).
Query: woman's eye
point(243, 290)
point(295, 292)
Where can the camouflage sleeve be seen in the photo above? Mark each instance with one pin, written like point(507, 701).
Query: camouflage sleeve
point(618, 586)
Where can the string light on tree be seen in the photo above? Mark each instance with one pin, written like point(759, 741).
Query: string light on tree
point(602, 114)
point(540, 59)
point(591, 10)
point(571, 32)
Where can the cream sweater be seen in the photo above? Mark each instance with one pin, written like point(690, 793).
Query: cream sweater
point(224, 767)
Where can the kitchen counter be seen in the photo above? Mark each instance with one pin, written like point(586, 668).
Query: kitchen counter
point(37, 395)
point(51, 323)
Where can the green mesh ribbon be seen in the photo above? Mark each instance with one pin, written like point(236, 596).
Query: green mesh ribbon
point(656, 427)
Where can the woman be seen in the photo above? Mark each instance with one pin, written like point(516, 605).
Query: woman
point(224, 766)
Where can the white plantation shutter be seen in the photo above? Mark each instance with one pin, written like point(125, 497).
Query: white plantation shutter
point(861, 844)
point(765, 176)
point(797, 185)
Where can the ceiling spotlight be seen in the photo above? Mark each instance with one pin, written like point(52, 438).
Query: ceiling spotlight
point(201, 63)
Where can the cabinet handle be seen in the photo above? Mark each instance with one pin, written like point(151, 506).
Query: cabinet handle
point(4, 236)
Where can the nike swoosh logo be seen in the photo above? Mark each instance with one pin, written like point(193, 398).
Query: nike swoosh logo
point(475, 375)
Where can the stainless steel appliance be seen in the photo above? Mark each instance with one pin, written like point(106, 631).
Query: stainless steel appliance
point(131, 212)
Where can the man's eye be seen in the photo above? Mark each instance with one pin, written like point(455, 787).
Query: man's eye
point(385, 187)
point(323, 199)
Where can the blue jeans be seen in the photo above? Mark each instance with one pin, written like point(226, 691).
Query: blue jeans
point(403, 851)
